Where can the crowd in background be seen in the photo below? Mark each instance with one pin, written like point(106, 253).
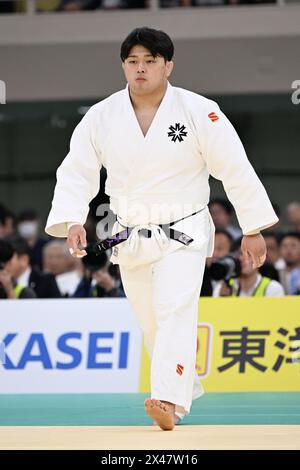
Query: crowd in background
point(11, 6)
point(279, 275)
point(33, 265)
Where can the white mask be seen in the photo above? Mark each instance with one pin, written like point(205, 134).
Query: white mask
point(28, 229)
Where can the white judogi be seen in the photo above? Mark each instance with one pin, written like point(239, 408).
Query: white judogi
point(154, 180)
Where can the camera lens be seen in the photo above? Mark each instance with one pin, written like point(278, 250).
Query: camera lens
point(224, 268)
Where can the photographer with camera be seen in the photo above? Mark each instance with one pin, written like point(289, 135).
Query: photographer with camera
point(97, 280)
point(9, 287)
point(239, 278)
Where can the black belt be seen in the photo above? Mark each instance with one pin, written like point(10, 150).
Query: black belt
point(122, 236)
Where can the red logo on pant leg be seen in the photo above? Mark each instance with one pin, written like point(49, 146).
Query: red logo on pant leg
point(213, 117)
point(179, 369)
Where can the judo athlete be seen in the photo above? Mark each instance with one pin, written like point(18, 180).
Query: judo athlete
point(159, 144)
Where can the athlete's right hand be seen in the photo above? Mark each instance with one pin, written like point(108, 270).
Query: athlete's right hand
point(77, 241)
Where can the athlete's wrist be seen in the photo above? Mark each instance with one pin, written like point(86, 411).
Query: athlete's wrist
point(70, 224)
point(251, 234)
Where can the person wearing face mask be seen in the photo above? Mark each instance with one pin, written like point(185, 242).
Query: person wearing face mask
point(28, 226)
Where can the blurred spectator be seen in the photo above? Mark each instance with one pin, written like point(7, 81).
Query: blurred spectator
point(9, 287)
point(268, 270)
point(293, 215)
point(106, 285)
point(272, 240)
point(65, 268)
point(223, 242)
point(250, 283)
point(43, 284)
point(28, 227)
point(97, 281)
point(294, 288)
point(221, 211)
point(290, 252)
point(79, 5)
point(7, 222)
point(114, 271)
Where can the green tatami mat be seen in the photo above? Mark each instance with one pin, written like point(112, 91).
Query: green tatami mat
point(127, 409)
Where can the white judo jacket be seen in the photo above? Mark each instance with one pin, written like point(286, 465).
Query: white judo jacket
point(160, 177)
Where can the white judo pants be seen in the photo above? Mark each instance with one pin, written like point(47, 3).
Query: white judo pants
point(164, 296)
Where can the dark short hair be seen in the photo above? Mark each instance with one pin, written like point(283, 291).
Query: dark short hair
point(28, 214)
point(291, 235)
point(5, 214)
point(6, 251)
point(20, 245)
point(272, 234)
point(227, 206)
point(226, 233)
point(156, 41)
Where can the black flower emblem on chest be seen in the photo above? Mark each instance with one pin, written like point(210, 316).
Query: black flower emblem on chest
point(177, 132)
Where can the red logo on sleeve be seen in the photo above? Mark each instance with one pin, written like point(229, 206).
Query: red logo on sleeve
point(179, 369)
point(213, 117)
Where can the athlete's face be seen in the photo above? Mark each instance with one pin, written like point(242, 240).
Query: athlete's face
point(144, 73)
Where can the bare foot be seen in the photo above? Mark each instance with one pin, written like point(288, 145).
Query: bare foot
point(177, 420)
point(162, 412)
